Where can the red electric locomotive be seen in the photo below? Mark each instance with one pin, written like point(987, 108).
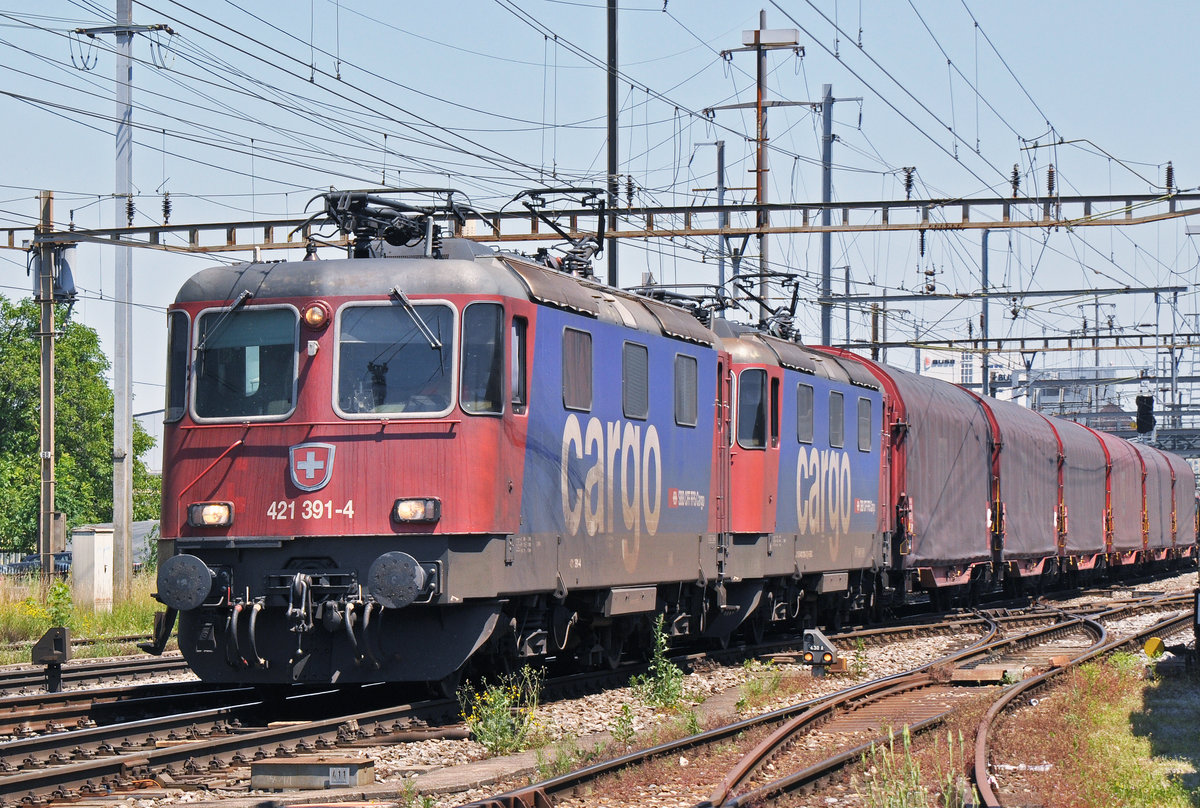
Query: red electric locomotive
point(431, 455)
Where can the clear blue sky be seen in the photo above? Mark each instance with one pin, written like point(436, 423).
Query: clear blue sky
point(242, 114)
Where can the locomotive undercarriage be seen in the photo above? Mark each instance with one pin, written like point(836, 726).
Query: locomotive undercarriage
point(578, 631)
point(287, 610)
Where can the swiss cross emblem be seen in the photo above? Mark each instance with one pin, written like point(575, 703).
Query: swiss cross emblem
point(312, 465)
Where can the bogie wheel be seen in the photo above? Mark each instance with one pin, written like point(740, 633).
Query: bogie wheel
point(756, 626)
point(447, 687)
point(613, 644)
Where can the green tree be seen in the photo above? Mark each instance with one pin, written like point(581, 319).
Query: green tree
point(83, 428)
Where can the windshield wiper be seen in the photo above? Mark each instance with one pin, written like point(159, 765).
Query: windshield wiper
point(434, 342)
point(244, 296)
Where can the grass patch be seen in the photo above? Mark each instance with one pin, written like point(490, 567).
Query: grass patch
point(1097, 737)
point(662, 685)
point(564, 756)
point(622, 730)
point(25, 616)
point(503, 716)
point(858, 663)
point(765, 682)
point(894, 778)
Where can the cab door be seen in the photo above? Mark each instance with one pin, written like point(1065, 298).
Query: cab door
point(722, 436)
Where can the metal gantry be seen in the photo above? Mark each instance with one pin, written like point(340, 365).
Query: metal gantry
point(673, 221)
point(681, 221)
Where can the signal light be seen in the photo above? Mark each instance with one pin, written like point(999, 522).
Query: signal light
point(1145, 414)
point(818, 651)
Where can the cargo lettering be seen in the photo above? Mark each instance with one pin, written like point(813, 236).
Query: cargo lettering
point(823, 492)
point(624, 475)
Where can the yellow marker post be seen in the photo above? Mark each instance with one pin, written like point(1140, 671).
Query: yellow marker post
point(1154, 647)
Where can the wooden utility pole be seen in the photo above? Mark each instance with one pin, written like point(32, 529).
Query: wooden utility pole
point(760, 41)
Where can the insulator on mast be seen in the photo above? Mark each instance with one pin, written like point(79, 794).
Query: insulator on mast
point(1016, 179)
point(166, 207)
point(908, 181)
point(129, 210)
point(921, 242)
point(1170, 177)
point(1050, 180)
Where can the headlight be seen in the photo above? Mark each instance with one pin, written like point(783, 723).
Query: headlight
point(417, 510)
point(316, 315)
point(210, 514)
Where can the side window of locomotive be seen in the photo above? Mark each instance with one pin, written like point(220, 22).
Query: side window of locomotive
point(577, 370)
point(483, 358)
point(177, 358)
point(804, 413)
point(837, 419)
point(752, 409)
point(864, 424)
point(391, 359)
point(520, 396)
point(685, 390)
point(635, 380)
point(246, 363)
point(774, 412)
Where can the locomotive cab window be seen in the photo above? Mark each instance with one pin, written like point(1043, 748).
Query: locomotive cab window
point(635, 380)
point(837, 420)
point(177, 361)
point(685, 390)
point(392, 359)
point(864, 424)
point(804, 413)
point(752, 409)
point(246, 363)
point(482, 389)
point(577, 370)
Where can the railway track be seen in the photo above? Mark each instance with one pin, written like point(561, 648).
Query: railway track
point(981, 768)
point(88, 673)
point(98, 741)
point(112, 739)
point(853, 719)
point(40, 713)
point(104, 759)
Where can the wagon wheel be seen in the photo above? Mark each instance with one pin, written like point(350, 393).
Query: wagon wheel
point(756, 626)
point(447, 686)
point(612, 642)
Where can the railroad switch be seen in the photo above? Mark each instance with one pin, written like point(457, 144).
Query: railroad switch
point(53, 650)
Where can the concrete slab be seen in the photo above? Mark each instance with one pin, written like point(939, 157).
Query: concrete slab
point(311, 772)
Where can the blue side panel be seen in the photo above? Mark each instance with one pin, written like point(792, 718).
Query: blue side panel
point(599, 476)
point(829, 495)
